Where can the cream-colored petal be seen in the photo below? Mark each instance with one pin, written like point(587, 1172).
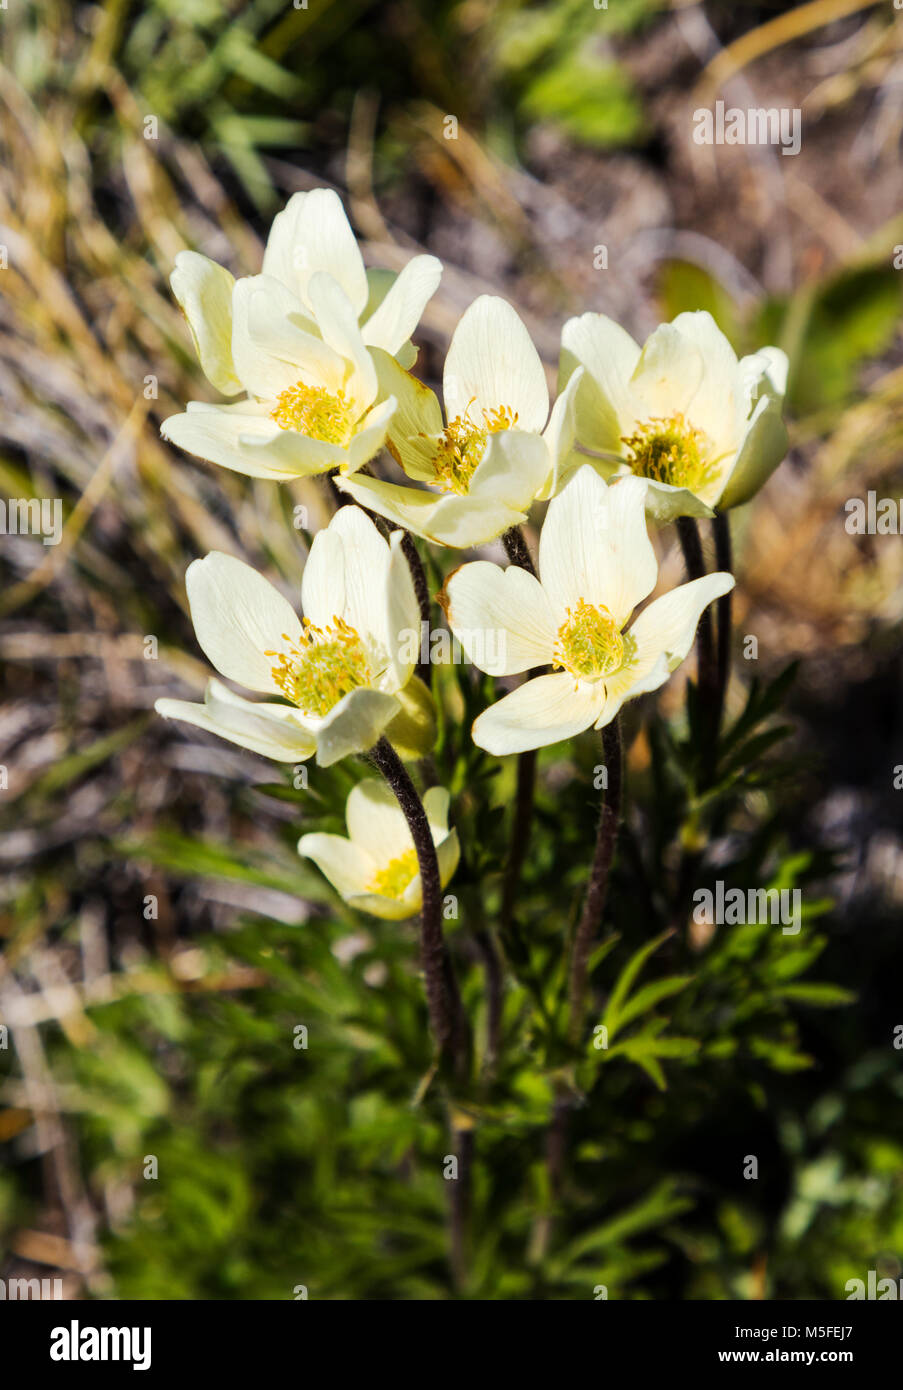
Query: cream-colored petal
point(291, 454)
point(376, 822)
point(323, 580)
point(665, 503)
point(312, 234)
point(338, 324)
point(668, 374)
point(409, 507)
point(453, 520)
point(238, 616)
point(354, 725)
point(267, 729)
point(594, 546)
point(667, 627)
point(244, 438)
point(436, 803)
point(713, 407)
point(448, 852)
point(512, 470)
point(637, 678)
point(544, 710)
point(204, 292)
point(605, 399)
point(492, 364)
point(763, 448)
point(398, 612)
point(263, 374)
point(348, 870)
point(278, 326)
point(763, 381)
point(561, 435)
point(465, 522)
point(365, 566)
point(385, 908)
point(501, 617)
point(395, 319)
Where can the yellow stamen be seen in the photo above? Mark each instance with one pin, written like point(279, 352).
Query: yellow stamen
point(590, 643)
point(311, 410)
point(392, 881)
point(462, 444)
point(671, 450)
point(326, 664)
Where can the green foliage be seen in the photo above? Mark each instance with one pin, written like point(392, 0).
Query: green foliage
point(316, 1158)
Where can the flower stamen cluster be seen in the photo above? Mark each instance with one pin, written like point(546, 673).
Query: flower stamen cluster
point(589, 643)
point(392, 881)
point(463, 443)
point(326, 664)
point(670, 450)
point(315, 412)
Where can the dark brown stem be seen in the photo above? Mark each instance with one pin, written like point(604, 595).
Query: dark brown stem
point(597, 887)
point(447, 1017)
point(516, 549)
point(422, 593)
point(706, 660)
point(721, 528)
point(691, 545)
point(518, 554)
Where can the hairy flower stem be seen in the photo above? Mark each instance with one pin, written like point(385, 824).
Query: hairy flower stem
point(721, 529)
point(447, 1018)
point(597, 887)
point(707, 667)
point(587, 929)
point(422, 594)
point(518, 554)
point(516, 549)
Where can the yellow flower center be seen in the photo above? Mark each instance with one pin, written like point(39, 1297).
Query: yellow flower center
point(670, 450)
point(311, 410)
point(324, 665)
point(462, 444)
point(590, 643)
point(392, 881)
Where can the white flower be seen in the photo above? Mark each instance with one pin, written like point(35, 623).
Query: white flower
point(375, 868)
point(499, 449)
point(312, 233)
point(341, 670)
point(596, 564)
point(705, 429)
point(293, 340)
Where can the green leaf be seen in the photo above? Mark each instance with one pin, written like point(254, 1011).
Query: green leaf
point(684, 288)
point(825, 996)
point(625, 980)
point(650, 995)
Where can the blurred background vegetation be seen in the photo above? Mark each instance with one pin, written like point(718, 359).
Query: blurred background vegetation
point(162, 939)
